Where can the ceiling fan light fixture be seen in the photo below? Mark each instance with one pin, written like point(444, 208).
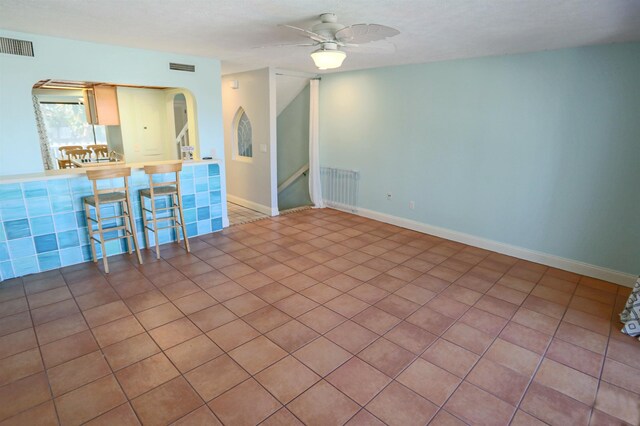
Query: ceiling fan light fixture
point(328, 59)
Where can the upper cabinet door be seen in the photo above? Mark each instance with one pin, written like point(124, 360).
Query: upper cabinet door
point(102, 106)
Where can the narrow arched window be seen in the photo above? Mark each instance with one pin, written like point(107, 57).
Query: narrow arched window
point(244, 140)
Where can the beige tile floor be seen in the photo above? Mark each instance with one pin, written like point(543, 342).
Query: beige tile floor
point(239, 214)
point(317, 317)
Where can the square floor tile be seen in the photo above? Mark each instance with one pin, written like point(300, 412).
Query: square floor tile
point(575, 357)
point(619, 403)
point(429, 381)
point(468, 337)
point(246, 404)
point(411, 337)
point(320, 293)
point(216, 377)
point(397, 306)
point(564, 379)
point(475, 406)
point(369, 293)
point(106, 313)
point(387, 357)
point(89, 401)
point(212, 317)
point(295, 305)
point(194, 302)
point(351, 336)
point(257, 354)
point(322, 356)
point(376, 320)
point(226, 291)
point(430, 320)
point(287, 379)
point(292, 335)
point(174, 333)
point(244, 304)
point(266, 319)
point(451, 357)
point(282, 417)
point(513, 356)
point(75, 373)
point(347, 305)
point(201, 416)
point(322, 405)
point(526, 337)
point(129, 351)
point(166, 403)
point(158, 315)
point(396, 405)
point(321, 319)
point(233, 334)
point(273, 292)
point(117, 331)
point(554, 407)
point(193, 353)
point(20, 365)
point(145, 375)
point(358, 380)
point(59, 329)
point(23, 394)
point(500, 381)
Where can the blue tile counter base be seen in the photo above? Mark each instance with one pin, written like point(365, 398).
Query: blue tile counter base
point(43, 224)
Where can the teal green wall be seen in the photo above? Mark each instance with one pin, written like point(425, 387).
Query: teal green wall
point(293, 151)
point(539, 150)
point(62, 59)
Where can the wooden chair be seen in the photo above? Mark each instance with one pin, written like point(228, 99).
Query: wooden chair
point(66, 149)
point(64, 164)
point(100, 150)
point(65, 161)
point(113, 195)
point(79, 154)
point(157, 189)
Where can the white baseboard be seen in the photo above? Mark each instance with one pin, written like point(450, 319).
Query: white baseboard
point(252, 205)
point(571, 265)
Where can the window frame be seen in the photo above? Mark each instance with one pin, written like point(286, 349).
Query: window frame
point(236, 142)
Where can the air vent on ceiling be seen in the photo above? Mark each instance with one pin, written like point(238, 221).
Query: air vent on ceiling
point(182, 67)
point(13, 46)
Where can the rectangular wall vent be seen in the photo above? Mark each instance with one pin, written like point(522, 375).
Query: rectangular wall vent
point(182, 67)
point(13, 46)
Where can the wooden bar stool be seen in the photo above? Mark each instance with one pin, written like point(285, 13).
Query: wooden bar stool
point(160, 189)
point(112, 195)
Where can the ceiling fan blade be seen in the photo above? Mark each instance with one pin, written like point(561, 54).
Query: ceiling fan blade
point(286, 45)
point(376, 47)
point(313, 36)
point(365, 33)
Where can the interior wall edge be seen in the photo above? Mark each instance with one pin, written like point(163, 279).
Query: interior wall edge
point(571, 265)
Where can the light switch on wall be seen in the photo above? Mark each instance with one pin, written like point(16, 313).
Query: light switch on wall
point(263, 147)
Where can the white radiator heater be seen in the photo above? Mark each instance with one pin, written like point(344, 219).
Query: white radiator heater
point(340, 188)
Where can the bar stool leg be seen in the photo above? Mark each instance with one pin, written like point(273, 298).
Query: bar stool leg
point(176, 222)
point(104, 249)
point(155, 225)
point(87, 213)
point(144, 221)
point(132, 228)
point(127, 226)
point(182, 225)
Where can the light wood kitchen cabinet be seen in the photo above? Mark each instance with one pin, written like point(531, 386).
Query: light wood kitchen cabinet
point(101, 105)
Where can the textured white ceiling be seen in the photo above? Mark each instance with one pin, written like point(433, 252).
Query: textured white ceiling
point(431, 30)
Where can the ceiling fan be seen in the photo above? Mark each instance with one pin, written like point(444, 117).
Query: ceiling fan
point(331, 36)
